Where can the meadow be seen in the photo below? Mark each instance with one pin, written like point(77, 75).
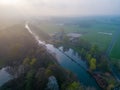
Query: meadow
point(115, 54)
point(92, 29)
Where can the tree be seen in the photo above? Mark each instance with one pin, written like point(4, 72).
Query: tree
point(93, 64)
point(103, 64)
point(65, 40)
point(74, 86)
point(83, 52)
point(29, 80)
point(48, 72)
point(26, 61)
point(88, 57)
point(33, 61)
point(94, 50)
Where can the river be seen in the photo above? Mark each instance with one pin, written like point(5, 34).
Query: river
point(4, 76)
point(69, 60)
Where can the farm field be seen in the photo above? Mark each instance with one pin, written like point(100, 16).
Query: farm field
point(97, 31)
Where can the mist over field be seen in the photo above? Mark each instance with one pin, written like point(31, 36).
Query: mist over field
point(59, 45)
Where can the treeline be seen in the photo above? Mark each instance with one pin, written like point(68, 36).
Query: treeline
point(30, 64)
point(95, 58)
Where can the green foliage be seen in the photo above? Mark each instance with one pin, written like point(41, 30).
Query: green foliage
point(88, 57)
point(29, 80)
point(26, 61)
point(74, 86)
point(103, 64)
point(33, 61)
point(93, 64)
point(83, 52)
point(26, 53)
point(48, 72)
point(94, 50)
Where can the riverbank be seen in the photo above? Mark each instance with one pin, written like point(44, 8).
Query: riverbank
point(4, 76)
point(99, 79)
point(32, 64)
point(67, 63)
point(96, 60)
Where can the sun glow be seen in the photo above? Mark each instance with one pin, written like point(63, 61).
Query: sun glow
point(9, 2)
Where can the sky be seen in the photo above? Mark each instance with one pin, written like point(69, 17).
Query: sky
point(59, 7)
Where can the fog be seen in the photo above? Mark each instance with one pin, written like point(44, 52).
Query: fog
point(27, 8)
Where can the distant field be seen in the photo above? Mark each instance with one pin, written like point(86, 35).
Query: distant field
point(91, 34)
point(116, 50)
point(90, 29)
point(48, 27)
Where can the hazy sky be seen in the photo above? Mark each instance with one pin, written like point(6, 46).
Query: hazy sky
point(60, 7)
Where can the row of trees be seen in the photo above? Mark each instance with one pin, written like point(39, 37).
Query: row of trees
point(96, 59)
point(32, 63)
point(88, 52)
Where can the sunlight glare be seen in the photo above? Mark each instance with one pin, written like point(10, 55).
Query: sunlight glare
point(9, 2)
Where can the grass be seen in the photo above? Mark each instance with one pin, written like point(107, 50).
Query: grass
point(116, 50)
point(90, 33)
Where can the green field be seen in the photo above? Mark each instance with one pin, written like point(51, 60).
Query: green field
point(91, 34)
point(90, 30)
point(115, 54)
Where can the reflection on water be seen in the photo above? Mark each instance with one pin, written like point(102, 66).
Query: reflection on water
point(4, 76)
point(71, 61)
point(83, 76)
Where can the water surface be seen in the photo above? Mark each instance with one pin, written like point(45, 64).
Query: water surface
point(4, 76)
